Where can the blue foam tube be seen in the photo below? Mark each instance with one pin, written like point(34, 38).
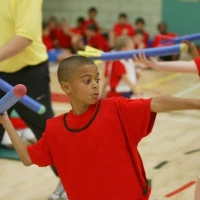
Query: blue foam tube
point(159, 51)
point(26, 100)
point(12, 97)
point(176, 40)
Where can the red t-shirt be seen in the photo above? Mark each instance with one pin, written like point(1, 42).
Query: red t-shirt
point(99, 42)
point(88, 22)
point(78, 30)
point(157, 39)
point(53, 33)
point(48, 42)
point(197, 61)
point(119, 29)
point(90, 151)
point(114, 70)
point(64, 40)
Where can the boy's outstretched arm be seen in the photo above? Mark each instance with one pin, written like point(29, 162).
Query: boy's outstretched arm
point(170, 66)
point(169, 103)
point(17, 142)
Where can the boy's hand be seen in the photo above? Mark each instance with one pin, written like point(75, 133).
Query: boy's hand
point(4, 118)
point(152, 63)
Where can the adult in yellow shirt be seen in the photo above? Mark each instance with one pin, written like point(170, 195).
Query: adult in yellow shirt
point(23, 59)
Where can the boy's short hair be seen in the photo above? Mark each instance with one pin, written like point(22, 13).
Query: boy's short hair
point(121, 42)
point(92, 9)
point(80, 19)
point(92, 27)
point(69, 65)
point(123, 15)
point(162, 23)
point(139, 20)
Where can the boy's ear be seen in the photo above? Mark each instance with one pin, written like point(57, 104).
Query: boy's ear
point(65, 87)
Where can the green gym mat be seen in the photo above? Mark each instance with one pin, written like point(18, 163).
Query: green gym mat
point(7, 153)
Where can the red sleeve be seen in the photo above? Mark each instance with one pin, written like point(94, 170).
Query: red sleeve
point(40, 153)
point(156, 41)
point(136, 118)
point(197, 61)
point(119, 68)
point(131, 30)
point(117, 30)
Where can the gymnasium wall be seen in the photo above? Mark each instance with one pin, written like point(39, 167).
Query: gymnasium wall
point(182, 16)
point(150, 10)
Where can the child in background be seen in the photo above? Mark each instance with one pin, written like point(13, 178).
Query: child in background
point(46, 37)
point(121, 28)
point(95, 39)
point(120, 75)
point(140, 26)
point(138, 40)
point(163, 31)
point(79, 28)
point(92, 14)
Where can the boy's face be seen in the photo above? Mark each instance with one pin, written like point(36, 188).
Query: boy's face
point(138, 38)
point(92, 15)
point(84, 86)
point(162, 28)
point(122, 21)
point(139, 26)
point(90, 33)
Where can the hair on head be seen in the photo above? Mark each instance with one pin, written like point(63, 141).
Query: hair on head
point(69, 65)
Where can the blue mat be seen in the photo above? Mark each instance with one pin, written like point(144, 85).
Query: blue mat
point(8, 153)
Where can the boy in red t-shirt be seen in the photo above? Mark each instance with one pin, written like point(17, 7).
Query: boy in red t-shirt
point(163, 31)
point(140, 28)
point(46, 37)
point(79, 29)
point(122, 27)
point(95, 39)
point(138, 40)
point(120, 75)
point(92, 13)
point(94, 146)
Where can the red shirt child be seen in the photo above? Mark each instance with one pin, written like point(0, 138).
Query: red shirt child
point(114, 70)
point(125, 29)
point(99, 42)
point(96, 153)
point(95, 39)
point(48, 42)
point(158, 38)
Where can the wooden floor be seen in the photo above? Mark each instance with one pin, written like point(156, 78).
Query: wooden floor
point(171, 154)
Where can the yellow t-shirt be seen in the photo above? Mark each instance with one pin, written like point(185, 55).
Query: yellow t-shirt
point(22, 18)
